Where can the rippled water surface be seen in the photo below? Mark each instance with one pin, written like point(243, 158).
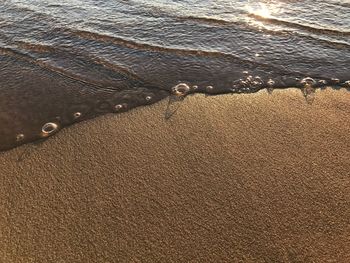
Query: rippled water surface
point(70, 60)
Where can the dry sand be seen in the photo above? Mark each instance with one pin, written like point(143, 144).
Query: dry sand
point(234, 178)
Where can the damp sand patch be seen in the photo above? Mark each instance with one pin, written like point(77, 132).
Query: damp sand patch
point(221, 172)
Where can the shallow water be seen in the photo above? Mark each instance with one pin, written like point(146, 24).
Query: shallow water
point(66, 61)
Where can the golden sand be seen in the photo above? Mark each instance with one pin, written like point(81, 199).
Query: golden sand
point(234, 178)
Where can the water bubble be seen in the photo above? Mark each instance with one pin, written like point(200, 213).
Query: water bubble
point(308, 81)
point(245, 72)
point(181, 89)
point(270, 82)
point(210, 88)
point(148, 98)
point(335, 80)
point(347, 84)
point(49, 128)
point(77, 115)
point(118, 107)
point(195, 87)
point(76, 111)
point(322, 82)
point(308, 89)
point(243, 83)
point(20, 137)
point(249, 78)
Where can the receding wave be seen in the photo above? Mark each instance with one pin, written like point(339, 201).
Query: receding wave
point(75, 53)
point(15, 53)
point(145, 46)
point(37, 47)
point(179, 51)
point(45, 64)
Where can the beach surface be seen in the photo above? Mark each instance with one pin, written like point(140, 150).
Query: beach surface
point(232, 178)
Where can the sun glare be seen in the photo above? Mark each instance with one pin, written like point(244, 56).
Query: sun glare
point(264, 11)
point(260, 10)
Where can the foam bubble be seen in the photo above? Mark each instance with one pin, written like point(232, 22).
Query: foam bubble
point(270, 82)
point(181, 89)
point(20, 137)
point(308, 81)
point(210, 88)
point(335, 80)
point(77, 115)
point(49, 128)
point(243, 83)
point(118, 107)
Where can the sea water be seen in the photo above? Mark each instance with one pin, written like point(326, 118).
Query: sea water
point(66, 61)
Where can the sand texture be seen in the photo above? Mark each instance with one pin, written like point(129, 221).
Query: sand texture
point(234, 178)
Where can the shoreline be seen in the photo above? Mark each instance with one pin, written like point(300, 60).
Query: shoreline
point(249, 178)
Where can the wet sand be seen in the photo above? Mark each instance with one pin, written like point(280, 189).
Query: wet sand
point(234, 178)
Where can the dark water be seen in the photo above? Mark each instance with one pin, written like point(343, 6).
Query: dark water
point(66, 61)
